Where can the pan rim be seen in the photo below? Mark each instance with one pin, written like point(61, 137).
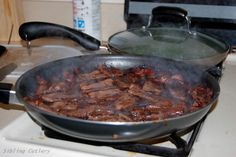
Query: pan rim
point(53, 114)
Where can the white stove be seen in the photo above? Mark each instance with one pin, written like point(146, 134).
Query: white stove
point(21, 137)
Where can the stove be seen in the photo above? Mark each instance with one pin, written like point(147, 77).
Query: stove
point(182, 147)
point(20, 136)
point(214, 135)
point(217, 18)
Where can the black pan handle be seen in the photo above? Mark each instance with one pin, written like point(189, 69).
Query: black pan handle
point(33, 30)
point(2, 50)
point(5, 89)
point(8, 94)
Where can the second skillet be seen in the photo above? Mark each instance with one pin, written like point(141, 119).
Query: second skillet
point(167, 42)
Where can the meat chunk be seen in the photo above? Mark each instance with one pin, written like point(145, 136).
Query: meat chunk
point(175, 111)
point(79, 113)
point(142, 71)
point(124, 101)
point(201, 96)
point(53, 97)
point(110, 72)
point(57, 87)
point(137, 91)
point(42, 86)
point(141, 114)
point(111, 118)
point(101, 85)
point(104, 94)
point(151, 86)
point(120, 83)
point(159, 106)
point(94, 75)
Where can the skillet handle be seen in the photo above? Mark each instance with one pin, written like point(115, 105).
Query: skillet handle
point(7, 95)
point(2, 50)
point(33, 30)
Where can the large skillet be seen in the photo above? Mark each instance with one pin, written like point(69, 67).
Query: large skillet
point(181, 44)
point(112, 131)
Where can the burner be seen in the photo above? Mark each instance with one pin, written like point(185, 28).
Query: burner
point(182, 149)
point(2, 50)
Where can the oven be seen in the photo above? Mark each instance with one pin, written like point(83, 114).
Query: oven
point(213, 17)
point(214, 135)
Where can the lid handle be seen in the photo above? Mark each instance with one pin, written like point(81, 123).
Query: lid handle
point(170, 15)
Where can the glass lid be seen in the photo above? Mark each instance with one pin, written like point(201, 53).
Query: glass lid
point(178, 44)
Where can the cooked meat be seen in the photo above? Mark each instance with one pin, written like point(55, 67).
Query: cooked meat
point(110, 72)
point(79, 113)
point(42, 86)
point(94, 75)
point(142, 114)
point(201, 96)
point(53, 97)
point(132, 78)
point(141, 71)
point(177, 110)
point(137, 91)
point(103, 94)
point(151, 86)
point(124, 101)
point(121, 83)
point(111, 94)
point(160, 105)
point(111, 118)
point(58, 105)
point(101, 85)
point(70, 106)
point(57, 87)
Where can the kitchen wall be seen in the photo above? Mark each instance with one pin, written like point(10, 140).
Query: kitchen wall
point(11, 16)
point(60, 11)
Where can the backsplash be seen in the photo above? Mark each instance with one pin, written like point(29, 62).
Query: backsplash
point(60, 12)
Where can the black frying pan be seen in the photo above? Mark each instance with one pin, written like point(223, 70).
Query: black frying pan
point(106, 131)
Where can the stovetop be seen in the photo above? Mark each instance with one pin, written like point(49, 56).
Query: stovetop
point(22, 137)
